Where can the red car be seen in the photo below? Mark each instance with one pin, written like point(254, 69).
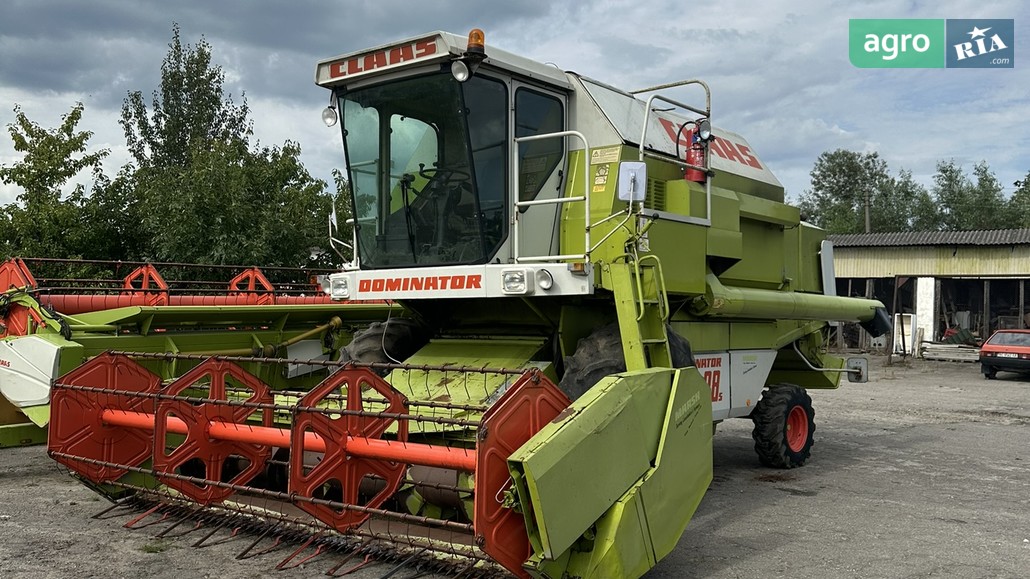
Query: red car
point(1007, 350)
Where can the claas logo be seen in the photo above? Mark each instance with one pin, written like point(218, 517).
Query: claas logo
point(383, 58)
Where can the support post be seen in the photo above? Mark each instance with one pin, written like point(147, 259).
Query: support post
point(1022, 294)
point(985, 327)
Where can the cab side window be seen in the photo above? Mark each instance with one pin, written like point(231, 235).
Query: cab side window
point(536, 114)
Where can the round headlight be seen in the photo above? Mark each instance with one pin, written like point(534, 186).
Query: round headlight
point(460, 71)
point(704, 129)
point(544, 279)
point(329, 116)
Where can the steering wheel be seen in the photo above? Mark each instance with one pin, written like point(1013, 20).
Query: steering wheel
point(433, 203)
point(443, 184)
point(443, 175)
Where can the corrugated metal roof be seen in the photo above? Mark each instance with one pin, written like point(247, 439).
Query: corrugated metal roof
point(910, 238)
point(933, 261)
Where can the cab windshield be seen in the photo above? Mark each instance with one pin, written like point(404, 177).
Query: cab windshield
point(426, 159)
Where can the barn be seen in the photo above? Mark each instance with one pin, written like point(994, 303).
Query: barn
point(941, 282)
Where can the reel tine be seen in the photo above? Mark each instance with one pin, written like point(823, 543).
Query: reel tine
point(247, 554)
point(319, 549)
point(332, 571)
point(404, 563)
point(165, 533)
point(465, 570)
point(202, 542)
point(368, 560)
point(124, 504)
point(133, 524)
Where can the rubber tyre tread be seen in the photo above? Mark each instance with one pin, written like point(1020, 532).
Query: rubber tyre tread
point(600, 354)
point(988, 372)
point(770, 432)
point(401, 337)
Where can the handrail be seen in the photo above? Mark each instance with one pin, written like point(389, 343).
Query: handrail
point(707, 113)
point(584, 198)
point(660, 290)
point(354, 262)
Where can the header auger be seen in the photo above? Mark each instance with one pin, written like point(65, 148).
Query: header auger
point(585, 282)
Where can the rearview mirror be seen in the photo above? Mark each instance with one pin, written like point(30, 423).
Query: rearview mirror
point(860, 364)
point(632, 181)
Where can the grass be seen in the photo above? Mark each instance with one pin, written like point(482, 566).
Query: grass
point(156, 547)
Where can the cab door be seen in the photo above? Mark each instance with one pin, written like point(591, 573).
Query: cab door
point(537, 111)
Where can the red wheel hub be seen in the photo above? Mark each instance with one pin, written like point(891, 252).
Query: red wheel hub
point(797, 428)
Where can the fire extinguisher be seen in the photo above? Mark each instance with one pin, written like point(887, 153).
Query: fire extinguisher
point(695, 156)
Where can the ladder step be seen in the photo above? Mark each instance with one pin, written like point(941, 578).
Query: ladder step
point(653, 341)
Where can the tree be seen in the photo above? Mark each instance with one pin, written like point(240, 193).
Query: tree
point(847, 184)
point(110, 215)
point(966, 205)
point(42, 223)
point(1019, 203)
point(904, 205)
point(238, 207)
point(188, 111)
point(204, 194)
point(923, 212)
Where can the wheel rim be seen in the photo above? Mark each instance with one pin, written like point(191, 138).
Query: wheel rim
point(797, 429)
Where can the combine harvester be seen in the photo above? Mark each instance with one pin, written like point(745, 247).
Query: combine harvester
point(590, 280)
point(50, 325)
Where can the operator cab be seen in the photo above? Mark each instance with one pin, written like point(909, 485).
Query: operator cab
point(429, 156)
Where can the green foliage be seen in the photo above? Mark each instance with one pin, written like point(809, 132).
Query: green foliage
point(841, 179)
point(968, 205)
point(925, 215)
point(110, 215)
point(843, 182)
point(188, 111)
point(234, 206)
point(42, 222)
point(205, 195)
point(196, 192)
point(1019, 203)
point(156, 546)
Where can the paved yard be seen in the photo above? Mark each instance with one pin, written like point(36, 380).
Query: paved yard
point(923, 472)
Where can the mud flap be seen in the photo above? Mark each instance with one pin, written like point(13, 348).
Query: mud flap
point(608, 487)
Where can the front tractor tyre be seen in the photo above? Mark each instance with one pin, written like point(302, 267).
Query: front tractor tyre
point(600, 354)
point(784, 426)
point(386, 342)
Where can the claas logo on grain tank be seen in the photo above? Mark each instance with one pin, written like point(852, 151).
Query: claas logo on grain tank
point(723, 147)
point(421, 283)
point(382, 58)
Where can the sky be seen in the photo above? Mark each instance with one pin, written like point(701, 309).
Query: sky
point(779, 70)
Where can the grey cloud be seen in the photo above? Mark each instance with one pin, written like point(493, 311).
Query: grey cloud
point(779, 70)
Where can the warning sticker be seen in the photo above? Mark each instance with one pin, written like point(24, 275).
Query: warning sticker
point(601, 178)
point(605, 155)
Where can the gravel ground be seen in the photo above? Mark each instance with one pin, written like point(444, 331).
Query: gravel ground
point(922, 472)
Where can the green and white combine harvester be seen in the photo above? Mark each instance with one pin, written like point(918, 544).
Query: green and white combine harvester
point(584, 280)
